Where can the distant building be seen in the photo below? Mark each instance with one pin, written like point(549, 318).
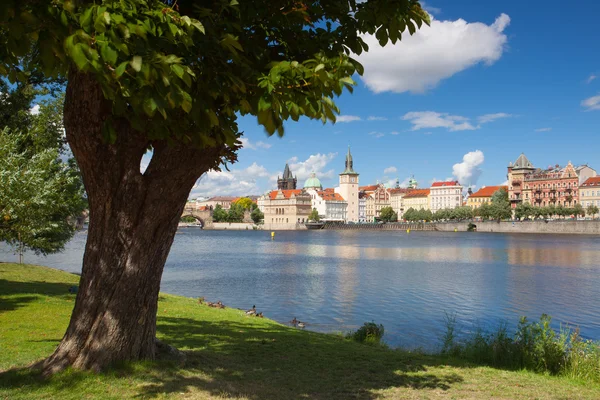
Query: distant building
point(377, 200)
point(223, 201)
point(286, 207)
point(362, 206)
point(313, 182)
point(589, 192)
point(331, 206)
point(483, 195)
point(445, 195)
point(287, 181)
point(417, 199)
point(348, 189)
point(584, 172)
point(396, 200)
point(542, 187)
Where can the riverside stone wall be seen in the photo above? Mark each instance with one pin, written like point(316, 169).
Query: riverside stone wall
point(556, 227)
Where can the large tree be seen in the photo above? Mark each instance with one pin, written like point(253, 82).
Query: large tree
point(173, 76)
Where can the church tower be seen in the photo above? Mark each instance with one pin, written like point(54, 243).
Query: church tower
point(287, 182)
point(349, 189)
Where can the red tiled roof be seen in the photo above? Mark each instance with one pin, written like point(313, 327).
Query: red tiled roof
point(326, 195)
point(447, 183)
point(417, 193)
point(488, 191)
point(329, 190)
point(595, 181)
point(400, 190)
point(286, 193)
point(370, 188)
point(222, 198)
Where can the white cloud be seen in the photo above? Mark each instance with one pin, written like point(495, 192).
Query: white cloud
point(376, 134)
point(247, 144)
point(315, 163)
point(394, 133)
point(591, 78)
point(35, 110)
point(484, 119)
point(236, 182)
point(390, 170)
point(543, 129)
point(374, 118)
point(467, 172)
point(419, 62)
point(347, 118)
point(591, 103)
point(432, 119)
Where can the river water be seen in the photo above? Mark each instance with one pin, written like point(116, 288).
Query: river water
point(337, 280)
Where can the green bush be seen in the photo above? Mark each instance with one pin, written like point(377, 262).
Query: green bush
point(534, 346)
point(370, 333)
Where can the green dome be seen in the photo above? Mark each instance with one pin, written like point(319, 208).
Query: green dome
point(313, 182)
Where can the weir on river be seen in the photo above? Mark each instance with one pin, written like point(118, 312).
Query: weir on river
point(398, 226)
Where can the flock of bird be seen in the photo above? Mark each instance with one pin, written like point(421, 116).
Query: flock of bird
point(251, 312)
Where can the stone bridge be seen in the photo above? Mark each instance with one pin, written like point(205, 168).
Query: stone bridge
point(204, 216)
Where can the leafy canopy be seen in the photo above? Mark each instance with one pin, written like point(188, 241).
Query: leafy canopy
point(38, 195)
point(184, 70)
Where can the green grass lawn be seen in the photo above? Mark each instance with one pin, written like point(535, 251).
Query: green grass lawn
point(230, 355)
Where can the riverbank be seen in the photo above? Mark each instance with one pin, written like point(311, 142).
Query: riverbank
point(230, 355)
point(563, 227)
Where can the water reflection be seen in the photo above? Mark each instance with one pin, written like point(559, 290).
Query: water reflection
point(339, 280)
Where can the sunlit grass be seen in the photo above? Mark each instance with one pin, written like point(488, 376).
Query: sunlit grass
point(230, 355)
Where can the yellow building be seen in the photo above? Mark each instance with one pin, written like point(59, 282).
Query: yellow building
point(589, 193)
point(286, 208)
point(417, 199)
point(483, 195)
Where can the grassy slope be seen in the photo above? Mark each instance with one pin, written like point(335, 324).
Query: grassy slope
point(230, 355)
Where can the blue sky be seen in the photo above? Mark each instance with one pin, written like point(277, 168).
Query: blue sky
point(487, 81)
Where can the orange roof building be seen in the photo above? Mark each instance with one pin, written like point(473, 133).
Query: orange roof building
point(483, 195)
point(284, 209)
point(589, 194)
point(417, 199)
point(330, 205)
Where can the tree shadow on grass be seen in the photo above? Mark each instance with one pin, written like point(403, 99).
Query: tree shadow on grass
point(257, 359)
point(15, 294)
point(268, 361)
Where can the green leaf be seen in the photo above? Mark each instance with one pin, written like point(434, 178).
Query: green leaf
point(136, 63)
point(149, 106)
point(78, 56)
point(319, 67)
point(108, 53)
point(178, 70)
point(198, 26)
point(120, 70)
point(85, 20)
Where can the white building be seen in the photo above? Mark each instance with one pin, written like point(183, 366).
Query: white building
point(396, 200)
point(445, 195)
point(348, 189)
point(331, 206)
point(362, 207)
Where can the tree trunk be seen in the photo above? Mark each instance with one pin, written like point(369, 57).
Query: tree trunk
point(133, 219)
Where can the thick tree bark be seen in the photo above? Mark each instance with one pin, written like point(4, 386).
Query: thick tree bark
point(133, 219)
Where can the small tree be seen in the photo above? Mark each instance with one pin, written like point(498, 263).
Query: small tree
point(410, 214)
point(500, 208)
point(578, 210)
point(314, 215)
point(257, 215)
point(219, 215)
point(36, 200)
point(245, 202)
point(236, 213)
point(592, 210)
point(387, 214)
